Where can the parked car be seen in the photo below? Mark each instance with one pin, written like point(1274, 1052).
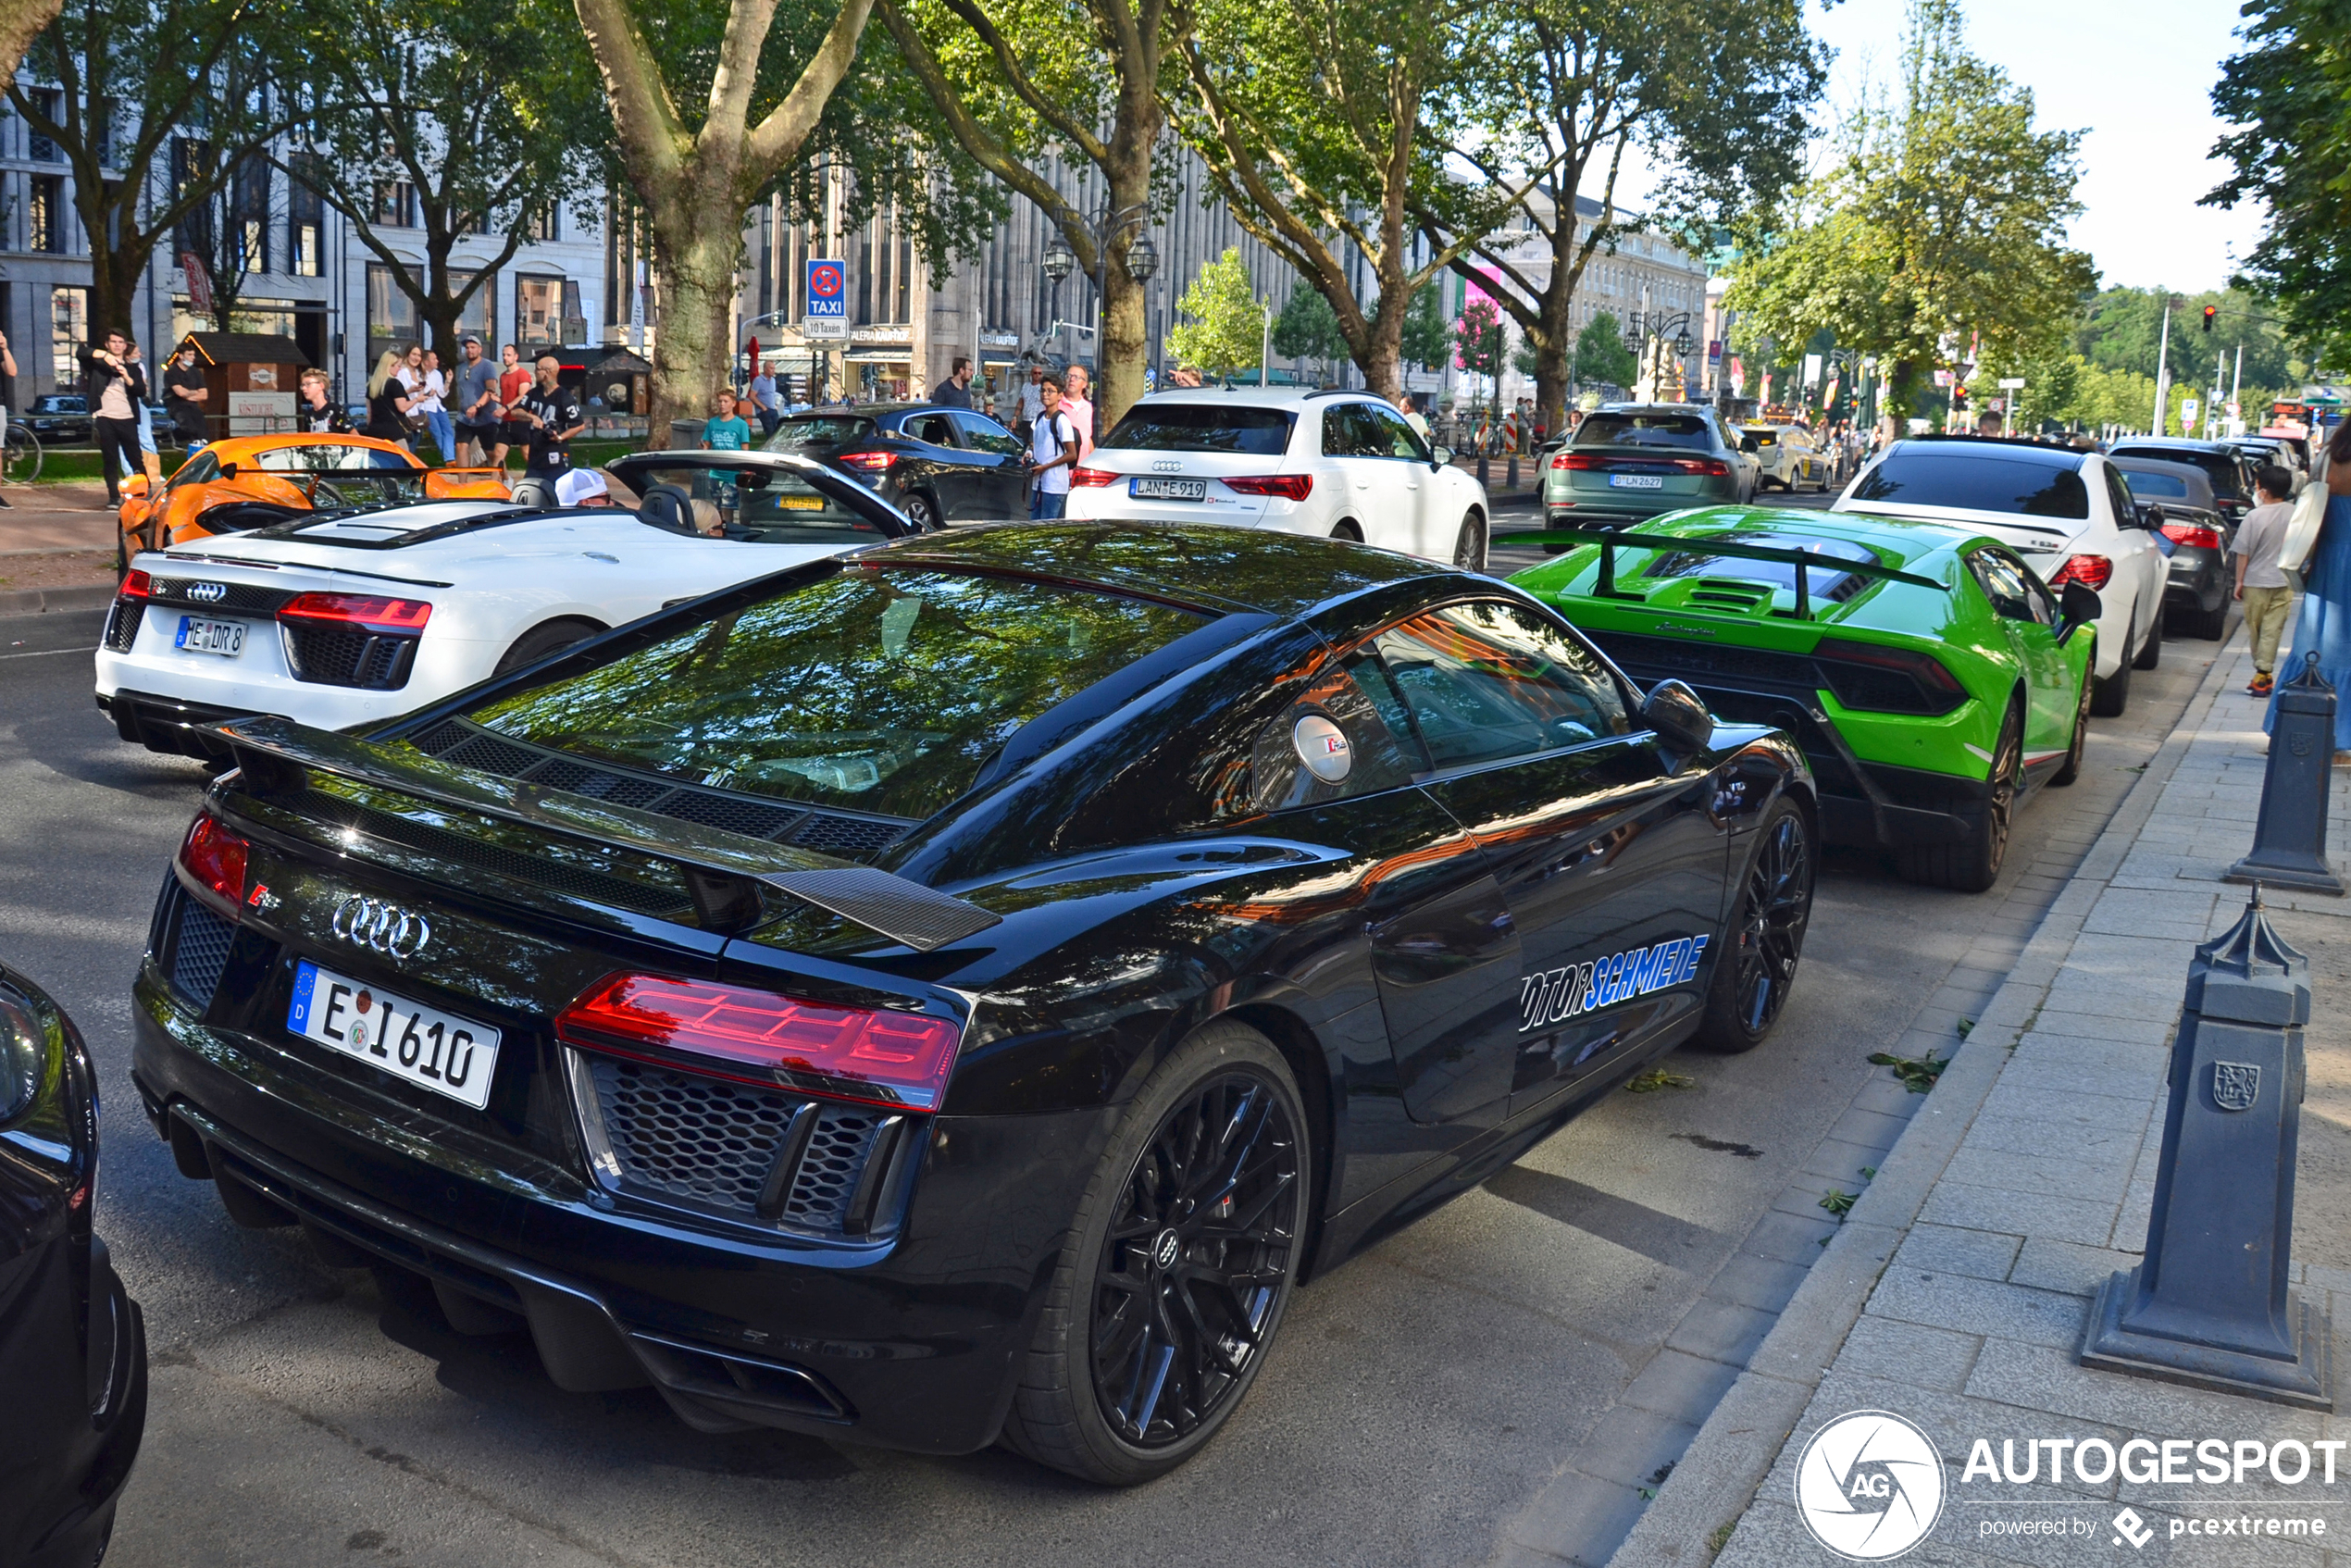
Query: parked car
point(73, 1349)
point(1627, 461)
point(2287, 455)
point(935, 464)
point(1787, 457)
point(1933, 682)
point(2066, 513)
point(1335, 464)
point(342, 618)
point(1196, 904)
point(60, 419)
point(2199, 582)
point(2229, 470)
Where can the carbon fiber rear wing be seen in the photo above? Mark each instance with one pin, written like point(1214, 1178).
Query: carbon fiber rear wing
point(278, 755)
point(1609, 540)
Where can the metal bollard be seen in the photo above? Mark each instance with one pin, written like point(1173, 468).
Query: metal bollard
point(1509, 478)
point(2210, 1306)
point(2289, 840)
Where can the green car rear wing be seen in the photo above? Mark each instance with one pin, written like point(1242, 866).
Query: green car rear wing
point(1609, 540)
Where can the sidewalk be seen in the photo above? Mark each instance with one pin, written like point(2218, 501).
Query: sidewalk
point(1955, 1292)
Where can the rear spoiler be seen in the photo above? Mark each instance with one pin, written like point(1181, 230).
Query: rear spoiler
point(1609, 540)
point(278, 756)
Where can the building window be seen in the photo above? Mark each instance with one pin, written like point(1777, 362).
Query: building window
point(392, 315)
point(252, 197)
point(538, 304)
point(50, 103)
point(395, 205)
point(45, 215)
point(68, 329)
point(191, 161)
point(544, 224)
point(306, 215)
point(480, 315)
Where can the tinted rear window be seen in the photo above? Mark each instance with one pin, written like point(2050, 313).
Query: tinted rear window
point(881, 691)
point(2144, 485)
point(2219, 467)
point(1976, 480)
point(1676, 430)
point(1203, 426)
point(818, 429)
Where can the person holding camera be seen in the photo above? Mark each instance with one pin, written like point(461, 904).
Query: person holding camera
point(115, 387)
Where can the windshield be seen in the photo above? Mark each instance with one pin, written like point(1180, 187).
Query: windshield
point(879, 690)
point(1975, 480)
point(1678, 431)
point(762, 506)
point(1202, 427)
point(1820, 582)
point(330, 458)
point(817, 429)
point(56, 405)
point(2144, 485)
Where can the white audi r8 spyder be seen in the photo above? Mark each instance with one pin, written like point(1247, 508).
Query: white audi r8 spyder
point(342, 618)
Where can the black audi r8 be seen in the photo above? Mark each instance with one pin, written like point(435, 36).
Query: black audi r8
point(958, 989)
point(73, 1352)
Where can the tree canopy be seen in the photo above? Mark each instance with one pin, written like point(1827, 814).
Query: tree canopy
point(1224, 325)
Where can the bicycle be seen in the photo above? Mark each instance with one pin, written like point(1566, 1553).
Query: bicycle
point(20, 451)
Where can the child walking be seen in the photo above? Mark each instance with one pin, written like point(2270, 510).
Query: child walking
point(2262, 584)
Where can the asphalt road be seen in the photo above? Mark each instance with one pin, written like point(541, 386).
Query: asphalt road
point(1421, 1406)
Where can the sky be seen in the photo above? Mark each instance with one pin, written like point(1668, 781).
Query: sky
point(2138, 76)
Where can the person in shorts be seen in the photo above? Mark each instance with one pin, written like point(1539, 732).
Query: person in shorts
point(513, 385)
point(2262, 584)
point(476, 395)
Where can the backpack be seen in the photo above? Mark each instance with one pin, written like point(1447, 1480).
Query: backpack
point(2302, 528)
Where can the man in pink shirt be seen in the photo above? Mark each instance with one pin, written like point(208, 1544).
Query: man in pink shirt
point(1077, 403)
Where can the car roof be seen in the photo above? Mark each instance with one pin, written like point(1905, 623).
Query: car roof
point(2175, 443)
point(1205, 565)
point(2023, 451)
point(1292, 398)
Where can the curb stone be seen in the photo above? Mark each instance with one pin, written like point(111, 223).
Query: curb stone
point(1717, 1478)
point(47, 601)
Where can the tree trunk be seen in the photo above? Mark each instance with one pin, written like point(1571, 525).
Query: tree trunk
point(695, 251)
point(1551, 381)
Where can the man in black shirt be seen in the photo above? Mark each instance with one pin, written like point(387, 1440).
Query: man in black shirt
point(551, 413)
point(185, 396)
point(955, 391)
point(314, 416)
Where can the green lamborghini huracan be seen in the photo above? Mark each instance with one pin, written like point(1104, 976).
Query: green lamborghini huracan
point(1933, 681)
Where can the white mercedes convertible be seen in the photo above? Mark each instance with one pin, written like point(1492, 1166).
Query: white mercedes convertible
point(342, 617)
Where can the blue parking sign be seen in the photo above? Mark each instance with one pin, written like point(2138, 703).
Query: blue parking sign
point(827, 289)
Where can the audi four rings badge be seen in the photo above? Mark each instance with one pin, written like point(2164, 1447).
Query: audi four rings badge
point(208, 593)
point(385, 927)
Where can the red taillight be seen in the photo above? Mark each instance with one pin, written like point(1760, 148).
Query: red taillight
point(216, 858)
point(871, 1054)
point(1085, 478)
point(137, 585)
point(1575, 460)
point(1710, 466)
point(1289, 487)
point(2090, 571)
point(2193, 533)
point(378, 615)
point(869, 461)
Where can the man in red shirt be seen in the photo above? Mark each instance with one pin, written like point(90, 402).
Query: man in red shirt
point(514, 381)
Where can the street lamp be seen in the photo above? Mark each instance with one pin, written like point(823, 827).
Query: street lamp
point(1059, 261)
point(1142, 259)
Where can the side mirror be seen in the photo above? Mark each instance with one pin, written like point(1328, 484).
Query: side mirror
point(2151, 516)
point(1678, 716)
point(227, 470)
point(2078, 606)
point(135, 484)
point(1440, 455)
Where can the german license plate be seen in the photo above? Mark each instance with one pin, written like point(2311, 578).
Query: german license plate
point(436, 1051)
point(1635, 481)
point(1168, 490)
point(198, 635)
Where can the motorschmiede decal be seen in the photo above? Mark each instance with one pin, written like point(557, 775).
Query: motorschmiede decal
point(1556, 995)
point(1870, 1485)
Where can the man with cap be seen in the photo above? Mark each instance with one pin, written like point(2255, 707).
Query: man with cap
point(476, 395)
point(583, 487)
point(551, 412)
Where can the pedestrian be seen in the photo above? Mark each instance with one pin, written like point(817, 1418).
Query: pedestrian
point(766, 405)
point(115, 388)
point(476, 396)
point(1032, 399)
point(432, 405)
point(388, 400)
point(550, 411)
point(2323, 623)
point(150, 455)
point(725, 430)
point(955, 390)
point(1053, 449)
point(1988, 425)
point(314, 416)
point(2261, 583)
point(513, 385)
point(1413, 415)
point(1079, 406)
point(185, 392)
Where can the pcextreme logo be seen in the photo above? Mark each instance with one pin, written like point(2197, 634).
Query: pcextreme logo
point(1869, 1486)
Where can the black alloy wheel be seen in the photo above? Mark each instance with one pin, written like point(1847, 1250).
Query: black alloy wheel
point(923, 512)
point(2071, 769)
point(1974, 863)
point(1176, 1269)
point(1765, 938)
point(1468, 546)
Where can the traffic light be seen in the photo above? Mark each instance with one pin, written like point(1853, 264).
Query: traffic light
point(2209, 312)
point(1959, 396)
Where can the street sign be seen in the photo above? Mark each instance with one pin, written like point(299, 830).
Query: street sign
point(2011, 383)
point(2188, 410)
point(827, 291)
point(827, 326)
